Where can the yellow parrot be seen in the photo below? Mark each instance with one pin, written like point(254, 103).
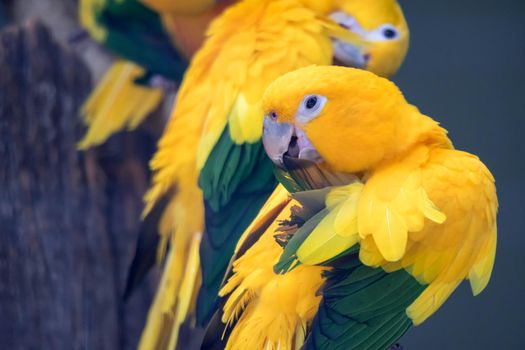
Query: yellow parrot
point(386, 219)
point(210, 156)
point(154, 40)
point(211, 165)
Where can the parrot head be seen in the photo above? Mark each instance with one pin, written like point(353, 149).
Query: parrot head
point(347, 119)
point(381, 31)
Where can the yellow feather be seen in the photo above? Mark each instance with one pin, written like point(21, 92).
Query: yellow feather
point(369, 254)
point(479, 274)
point(324, 243)
point(458, 238)
point(271, 311)
point(279, 198)
point(156, 334)
point(172, 301)
point(430, 300)
point(394, 203)
point(87, 12)
point(464, 245)
point(117, 103)
point(337, 231)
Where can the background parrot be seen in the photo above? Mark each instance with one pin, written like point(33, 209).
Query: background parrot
point(154, 40)
point(211, 148)
point(386, 219)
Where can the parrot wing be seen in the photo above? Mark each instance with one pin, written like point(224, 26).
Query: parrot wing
point(434, 214)
point(394, 203)
point(362, 307)
point(354, 313)
point(464, 246)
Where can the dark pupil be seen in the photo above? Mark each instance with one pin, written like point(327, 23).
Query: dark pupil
point(389, 33)
point(311, 102)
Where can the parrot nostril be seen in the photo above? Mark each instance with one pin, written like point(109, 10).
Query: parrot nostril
point(345, 26)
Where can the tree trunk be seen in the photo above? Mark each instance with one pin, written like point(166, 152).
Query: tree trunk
point(67, 233)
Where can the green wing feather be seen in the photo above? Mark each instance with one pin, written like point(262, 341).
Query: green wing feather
point(362, 307)
point(135, 32)
point(236, 182)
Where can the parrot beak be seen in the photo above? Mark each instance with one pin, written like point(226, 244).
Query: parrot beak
point(284, 139)
point(349, 47)
point(348, 55)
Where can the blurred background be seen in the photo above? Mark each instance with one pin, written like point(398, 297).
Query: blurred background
point(465, 68)
point(61, 290)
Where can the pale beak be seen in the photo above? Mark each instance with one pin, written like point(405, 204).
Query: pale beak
point(284, 139)
point(349, 47)
point(348, 55)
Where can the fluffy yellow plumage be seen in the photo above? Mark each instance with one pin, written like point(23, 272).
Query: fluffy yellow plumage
point(425, 207)
point(117, 103)
point(270, 311)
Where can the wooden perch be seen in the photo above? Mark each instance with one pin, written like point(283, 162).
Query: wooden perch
point(67, 232)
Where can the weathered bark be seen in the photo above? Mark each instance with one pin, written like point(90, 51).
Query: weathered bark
point(67, 233)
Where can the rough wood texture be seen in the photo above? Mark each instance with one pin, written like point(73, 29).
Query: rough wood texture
point(67, 232)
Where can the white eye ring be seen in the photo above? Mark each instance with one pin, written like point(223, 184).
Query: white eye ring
point(310, 107)
point(386, 32)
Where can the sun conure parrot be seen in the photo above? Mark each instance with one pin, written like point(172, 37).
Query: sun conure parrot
point(154, 45)
point(210, 162)
point(384, 221)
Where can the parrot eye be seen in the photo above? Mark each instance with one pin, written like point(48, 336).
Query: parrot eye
point(273, 116)
point(310, 108)
point(385, 32)
point(311, 102)
point(389, 33)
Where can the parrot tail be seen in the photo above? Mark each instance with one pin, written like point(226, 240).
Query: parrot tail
point(175, 296)
point(118, 102)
